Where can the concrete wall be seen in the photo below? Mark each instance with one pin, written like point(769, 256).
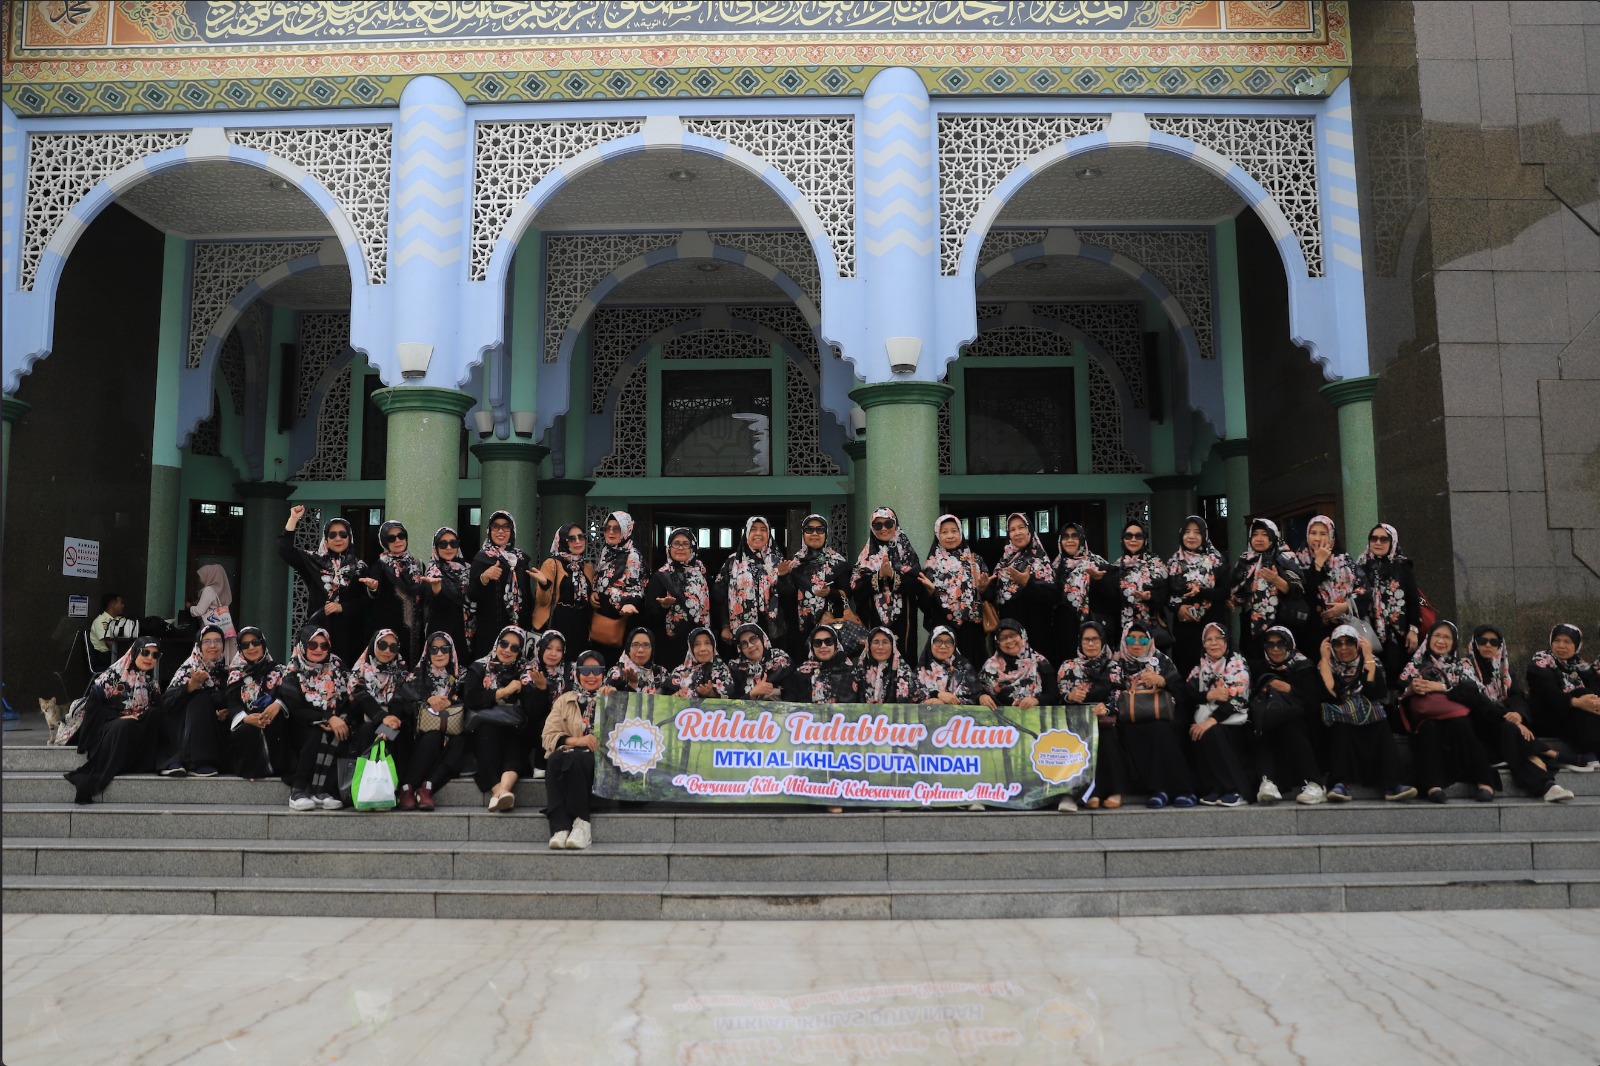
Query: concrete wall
point(1477, 151)
point(80, 459)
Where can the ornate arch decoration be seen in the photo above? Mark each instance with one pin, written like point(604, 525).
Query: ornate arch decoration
point(51, 232)
point(319, 446)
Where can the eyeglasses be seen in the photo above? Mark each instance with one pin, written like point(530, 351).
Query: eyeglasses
point(211, 642)
point(645, 644)
point(823, 642)
point(1138, 640)
point(252, 644)
point(884, 523)
point(944, 641)
point(1490, 642)
point(510, 645)
point(317, 645)
point(1377, 538)
point(439, 649)
point(499, 527)
point(1274, 644)
point(337, 534)
point(391, 537)
point(591, 671)
point(1133, 536)
point(750, 642)
point(443, 544)
point(386, 645)
point(813, 529)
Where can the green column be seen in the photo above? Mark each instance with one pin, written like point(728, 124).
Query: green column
point(166, 461)
point(860, 510)
point(510, 473)
point(13, 409)
point(262, 598)
point(1236, 465)
point(903, 426)
point(424, 455)
point(1172, 500)
point(561, 502)
point(1358, 466)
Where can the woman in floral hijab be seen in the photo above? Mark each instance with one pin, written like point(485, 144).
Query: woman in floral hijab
point(746, 590)
point(885, 676)
point(121, 722)
point(619, 577)
point(1386, 596)
point(1565, 691)
point(759, 669)
point(339, 585)
point(1330, 579)
point(1024, 581)
point(315, 694)
point(815, 585)
point(432, 691)
point(1196, 574)
point(257, 724)
point(193, 736)
point(1141, 577)
point(1441, 694)
point(953, 581)
point(678, 598)
point(500, 583)
point(883, 584)
point(1508, 734)
point(1086, 587)
point(1266, 586)
point(402, 584)
point(702, 673)
point(1219, 685)
point(947, 676)
point(1015, 675)
point(451, 608)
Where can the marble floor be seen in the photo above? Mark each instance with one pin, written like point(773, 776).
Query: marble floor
point(1452, 987)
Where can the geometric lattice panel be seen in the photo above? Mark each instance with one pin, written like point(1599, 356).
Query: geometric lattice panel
point(63, 167)
point(307, 537)
point(323, 337)
point(630, 429)
point(329, 461)
point(947, 458)
point(220, 270)
point(230, 365)
point(575, 263)
point(1117, 327)
point(1108, 453)
point(615, 333)
point(207, 436)
point(788, 250)
point(510, 158)
point(1279, 153)
point(353, 164)
point(976, 152)
point(786, 321)
point(802, 427)
point(817, 154)
point(716, 344)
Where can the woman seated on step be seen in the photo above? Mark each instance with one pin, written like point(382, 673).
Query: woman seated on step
point(702, 674)
point(431, 698)
point(759, 670)
point(315, 696)
point(194, 735)
point(1219, 687)
point(1093, 678)
point(569, 747)
point(1285, 704)
point(375, 682)
point(1509, 736)
point(637, 670)
point(1361, 745)
point(1150, 721)
point(258, 731)
point(121, 722)
point(827, 676)
point(1441, 695)
point(492, 690)
point(1564, 692)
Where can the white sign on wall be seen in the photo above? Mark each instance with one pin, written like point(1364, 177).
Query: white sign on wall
point(80, 558)
point(77, 607)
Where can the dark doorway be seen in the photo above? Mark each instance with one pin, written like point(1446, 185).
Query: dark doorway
point(986, 524)
point(718, 529)
point(216, 535)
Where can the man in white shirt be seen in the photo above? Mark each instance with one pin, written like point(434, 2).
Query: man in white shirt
point(101, 631)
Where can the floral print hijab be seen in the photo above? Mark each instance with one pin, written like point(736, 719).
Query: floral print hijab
point(1340, 584)
point(324, 683)
point(1570, 672)
point(902, 558)
point(123, 678)
point(954, 573)
point(1031, 558)
point(815, 574)
point(1229, 670)
point(1450, 668)
point(1020, 676)
point(1140, 572)
point(752, 578)
point(497, 673)
point(1090, 670)
point(197, 661)
point(651, 677)
point(953, 675)
point(1494, 672)
point(694, 673)
point(620, 575)
point(1388, 595)
point(693, 606)
point(435, 682)
point(378, 680)
point(1072, 571)
point(1198, 567)
point(888, 680)
point(255, 679)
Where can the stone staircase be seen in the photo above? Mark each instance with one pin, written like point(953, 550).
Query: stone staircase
point(228, 846)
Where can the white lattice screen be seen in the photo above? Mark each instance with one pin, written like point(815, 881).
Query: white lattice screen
point(220, 270)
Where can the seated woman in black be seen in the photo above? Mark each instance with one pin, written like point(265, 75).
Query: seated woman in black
point(759, 670)
point(1283, 700)
point(1219, 687)
point(637, 670)
point(546, 677)
point(315, 693)
point(258, 730)
point(827, 675)
point(1093, 678)
point(194, 739)
point(1151, 744)
point(1565, 692)
point(1440, 698)
point(1509, 735)
point(375, 682)
point(702, 673)
point(492, 687)
point(121, 722)
point(1359, 738)
point(569, 746)
point(946, 675)
point(431, 697)
point(1015, 675)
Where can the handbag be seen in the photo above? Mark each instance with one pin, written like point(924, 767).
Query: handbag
point(607, 631)
point(502, 714)
point(222, 618)
point(1271, 711)
point(544, 599)
point(1352, 710)
point(852, 635)
point(1144, 707)
point(452, 721)
point(1364, 630)
point(991, 617)
point(1427, 614)
point(373, 787)
point(1435, 707)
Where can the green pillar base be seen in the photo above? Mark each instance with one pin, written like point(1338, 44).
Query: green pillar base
point(163, 550)
point(13, 409)
point(510, 472)
point(1172, 500)
point(424, 455)
point(903, 426)
point(561, 503)
point(859, 508)
point(262, 598)
point(1358, 460)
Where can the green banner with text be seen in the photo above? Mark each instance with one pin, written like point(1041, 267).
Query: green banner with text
point(668, 749)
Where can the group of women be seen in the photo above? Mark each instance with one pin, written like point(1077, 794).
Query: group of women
point(454, 654)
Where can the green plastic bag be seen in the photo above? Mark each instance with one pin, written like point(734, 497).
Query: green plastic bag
point(375, 782)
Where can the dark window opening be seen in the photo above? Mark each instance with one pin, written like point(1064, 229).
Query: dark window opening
point(716, 423)
point(1021, 421)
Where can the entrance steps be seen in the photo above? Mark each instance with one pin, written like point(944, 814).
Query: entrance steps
point(227, 846)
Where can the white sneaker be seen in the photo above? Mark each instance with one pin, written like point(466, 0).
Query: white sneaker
point(580, 836)
point(1310, 794)
point(299, 801)
point(327, 801)
point(558, 841)
point(504, 801)
point(538, 773)
point(1268, 793)
point(1557, 794)
point(1067, 804)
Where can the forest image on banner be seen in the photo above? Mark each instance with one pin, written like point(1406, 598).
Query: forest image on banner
point(668, 749)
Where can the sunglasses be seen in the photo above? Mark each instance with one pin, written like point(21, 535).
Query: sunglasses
point(337, 534)
point(1133, 536)
point(439, 649)
point(252, 644)
point(149, 653)
point(499, 527)
point(813, 529)
point(386, 645)
point(1274, 644)
point(1342, 642)
point(391, 537)
point(1490, 642)
point(884, 523)
point(317, 645)
point(575, 536)
point(591, 671)
point(823, 642)
point(1379, 539)
point(612, 527)
point(443, 544)
point(1138, 640)
point(513, 645)
point(749, 642)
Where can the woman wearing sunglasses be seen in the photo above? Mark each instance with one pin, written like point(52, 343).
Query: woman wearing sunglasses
point(815, 588)
point(492, 689)
point(565, 580)
point(257, 725)
point(397, 604)
point(1284, 695)
point(375, 701)
point(1360, 743)
point(1142, 578)
point(194, 739)
point(339, 586)
point(826, 675)
point(431, 697)
point(451, 608)
point(546, 676)
point(120, 724)
point(618, 593)
point(1152, 745)
point(1508, 733)
point(500, 583)
point(678, 598)
point(883, 584)
point(1386, 596)
point(315, 694)
point(569, 747)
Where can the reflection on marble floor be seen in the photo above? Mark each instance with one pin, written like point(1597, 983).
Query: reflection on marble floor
point(1455, 987)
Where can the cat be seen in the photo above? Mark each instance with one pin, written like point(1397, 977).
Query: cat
point(54, 719)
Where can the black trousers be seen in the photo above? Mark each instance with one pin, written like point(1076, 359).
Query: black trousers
point(1285, 755)
point(1110, 767)
point(1156, 757)
point(1518, 755)
point(568, 784)
point(119, 747)
point(191, 737)
point(1363, 753)
point(1221, 755)
point(259, 753)
point(435, 759)
point(1448, 751)
point(316, 753)
point(495, 749)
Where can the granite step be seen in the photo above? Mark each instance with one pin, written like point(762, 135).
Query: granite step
point(840, 862)
point(48, 786)
point(885, 898)
point(650, 824)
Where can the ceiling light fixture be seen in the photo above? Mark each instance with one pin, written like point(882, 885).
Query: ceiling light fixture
point(1035, 264)
point(1090, 173)
point(280, 185)
point(708, 268)
point(680, 175)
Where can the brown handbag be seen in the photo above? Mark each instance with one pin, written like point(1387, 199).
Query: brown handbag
point(990, 613)
point(1144, 707)
point(453, 718)
point(607, 631)
point(544, 599)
